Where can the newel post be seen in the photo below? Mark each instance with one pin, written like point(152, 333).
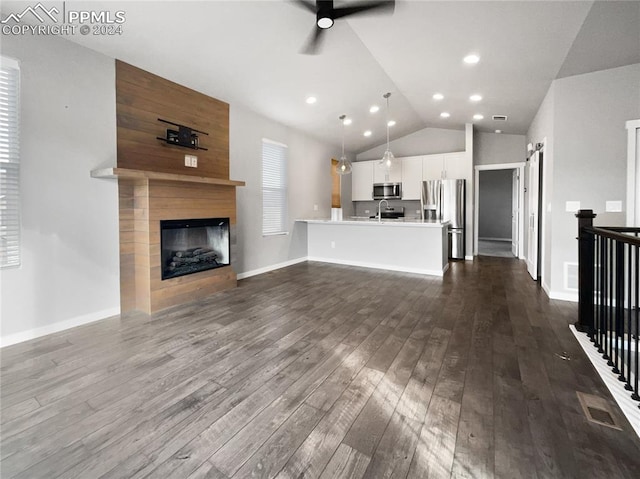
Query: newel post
point(586, 260)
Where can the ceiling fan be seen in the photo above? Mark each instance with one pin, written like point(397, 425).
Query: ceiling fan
point(326, 14)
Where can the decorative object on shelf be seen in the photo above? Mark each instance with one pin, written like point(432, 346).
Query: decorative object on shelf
point(387, 158)
point(344, 165)
point(183, 136)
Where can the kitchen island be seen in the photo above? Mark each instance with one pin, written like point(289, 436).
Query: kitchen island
point(409, 245)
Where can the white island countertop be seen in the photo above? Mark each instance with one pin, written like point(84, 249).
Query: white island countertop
point(405, 244)
point(413, 222)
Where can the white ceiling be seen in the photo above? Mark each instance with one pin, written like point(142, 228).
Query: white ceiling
point(246, 53)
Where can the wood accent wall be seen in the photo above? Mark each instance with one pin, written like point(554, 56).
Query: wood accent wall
point(142, 98)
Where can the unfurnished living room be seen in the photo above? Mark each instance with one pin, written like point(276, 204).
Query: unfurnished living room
point(316, 239)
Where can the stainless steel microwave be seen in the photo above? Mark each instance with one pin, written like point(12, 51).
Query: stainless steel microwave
point(387, 191)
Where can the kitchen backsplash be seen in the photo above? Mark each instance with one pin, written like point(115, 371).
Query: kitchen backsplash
point(411, 208)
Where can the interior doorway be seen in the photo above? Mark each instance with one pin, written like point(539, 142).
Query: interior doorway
point(499, 200)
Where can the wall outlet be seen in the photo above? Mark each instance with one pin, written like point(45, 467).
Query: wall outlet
point(315, 207)
point(613, 206)
point(333, 244)
point(572, 206)
point(191, 161)
point(366, 212)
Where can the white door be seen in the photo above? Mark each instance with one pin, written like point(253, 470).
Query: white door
point(533, 193)
point(515, 211)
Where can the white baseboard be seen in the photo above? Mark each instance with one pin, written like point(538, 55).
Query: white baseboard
point(468, 258)
point(363, 264)
point(623, 397)
point(563, 296)
point(22, 336)
point(266, 269)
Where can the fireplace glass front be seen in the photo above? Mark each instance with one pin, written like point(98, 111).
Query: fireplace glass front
point(191, 246)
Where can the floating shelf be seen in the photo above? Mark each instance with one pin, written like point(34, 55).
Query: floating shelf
point(114, 173)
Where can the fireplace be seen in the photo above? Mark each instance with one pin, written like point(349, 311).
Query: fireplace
point(192, 246)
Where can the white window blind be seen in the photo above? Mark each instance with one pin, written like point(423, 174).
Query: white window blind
point(274, 188)
point(9, 163)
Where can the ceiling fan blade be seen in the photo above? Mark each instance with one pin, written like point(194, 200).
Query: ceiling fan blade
point(362, 7)
point(314, 42)
point(306, 4)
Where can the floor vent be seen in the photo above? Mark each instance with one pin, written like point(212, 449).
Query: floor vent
point(597, 410)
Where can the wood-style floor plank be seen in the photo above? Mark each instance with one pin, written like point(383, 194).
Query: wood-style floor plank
point(318, 370)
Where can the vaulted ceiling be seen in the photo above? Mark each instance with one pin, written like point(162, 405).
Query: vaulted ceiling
point(247, 53)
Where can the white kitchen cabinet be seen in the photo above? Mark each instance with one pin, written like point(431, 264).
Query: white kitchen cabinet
point(456, 167)
point(432, 167)
point(411, 177)
point(381, 175)
point(446, 166)
point(362, 180)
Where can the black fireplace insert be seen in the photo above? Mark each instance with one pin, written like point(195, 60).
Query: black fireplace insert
point(192, 246)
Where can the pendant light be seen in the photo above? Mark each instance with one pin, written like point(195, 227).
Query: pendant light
point(344, 165)
point(388, 157)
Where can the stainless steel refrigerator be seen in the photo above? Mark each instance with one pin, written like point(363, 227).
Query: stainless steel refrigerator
point(445, 200)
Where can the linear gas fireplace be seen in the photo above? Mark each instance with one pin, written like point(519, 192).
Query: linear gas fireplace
point(191, 246)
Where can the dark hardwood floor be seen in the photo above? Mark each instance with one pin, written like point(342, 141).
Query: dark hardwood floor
point(318, 370)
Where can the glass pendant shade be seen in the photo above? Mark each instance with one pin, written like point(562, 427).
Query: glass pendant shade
point(344, 166)
point(387, 159)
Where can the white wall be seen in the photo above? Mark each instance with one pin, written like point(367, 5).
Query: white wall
point(423, 142)
point(494, 148)
point(309, 185)
point(590, 148)
point(70, 267)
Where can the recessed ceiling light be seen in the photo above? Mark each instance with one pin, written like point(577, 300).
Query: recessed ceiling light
point(478, 116)
point(438, 96)
point(311, 100)
point(374, 109)
point(444, 114)
point(471, 59)
point(475, 97)
point(367, 133)
point(498, 131)
point(391, 123)
point(347, 121)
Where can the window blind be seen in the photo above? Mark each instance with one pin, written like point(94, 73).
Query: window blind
point(274, 188)
point(9, 163)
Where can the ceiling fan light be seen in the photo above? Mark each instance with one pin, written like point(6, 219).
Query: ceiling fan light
point(324, 22)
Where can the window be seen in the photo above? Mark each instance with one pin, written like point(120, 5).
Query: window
point(9, 163)
point(274, 188)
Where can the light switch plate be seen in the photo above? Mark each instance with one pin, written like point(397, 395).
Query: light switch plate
point(613, 206)
point(191, 161)
point(572, 206)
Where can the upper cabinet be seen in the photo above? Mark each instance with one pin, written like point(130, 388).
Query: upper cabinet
point(411, 177)
point(362, 180)
point(392, 175)
point(446, 166)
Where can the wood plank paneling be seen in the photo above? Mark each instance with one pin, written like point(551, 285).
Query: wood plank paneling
point(142, 98)
point(149, 202)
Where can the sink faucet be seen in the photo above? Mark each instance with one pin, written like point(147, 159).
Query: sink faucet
point(379, 207)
